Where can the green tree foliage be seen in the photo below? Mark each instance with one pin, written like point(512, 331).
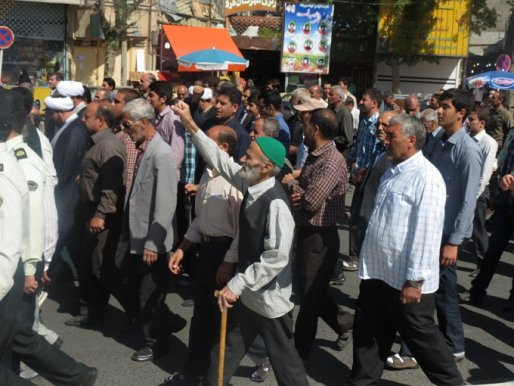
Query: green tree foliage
point(115, 31)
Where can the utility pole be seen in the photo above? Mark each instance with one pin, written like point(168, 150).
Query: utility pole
point(509, 49)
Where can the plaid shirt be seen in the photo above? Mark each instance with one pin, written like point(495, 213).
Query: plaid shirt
point(366, 143)
point(131, 150)
point(189, 163)
point(323, 185)
point(141, 149)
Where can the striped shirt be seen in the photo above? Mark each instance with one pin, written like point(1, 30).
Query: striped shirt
point(322, 183)
point(404, 233)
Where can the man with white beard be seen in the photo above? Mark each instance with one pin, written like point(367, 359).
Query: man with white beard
point(263, 277)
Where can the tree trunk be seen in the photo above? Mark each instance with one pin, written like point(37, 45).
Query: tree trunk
point(395, 73)
point(124, 62)
point(111, 48)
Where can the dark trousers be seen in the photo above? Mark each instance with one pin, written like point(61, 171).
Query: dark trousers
point(480, 238)
point(317, 250)
point(380, 314)
point(503, 228)
point(143, 292)
point(185, 213)
point(243, 326)
point(448, 313)
point(355, 236)
point(205, 322)
point(22, 344)
point(97, 255)
point(18, 342)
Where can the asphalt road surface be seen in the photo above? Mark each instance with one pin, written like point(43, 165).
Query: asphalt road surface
point(488, 331)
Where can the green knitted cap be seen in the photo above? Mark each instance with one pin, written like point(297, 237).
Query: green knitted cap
point(273, 149)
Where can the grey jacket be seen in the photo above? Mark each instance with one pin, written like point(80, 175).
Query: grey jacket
point(153, 199)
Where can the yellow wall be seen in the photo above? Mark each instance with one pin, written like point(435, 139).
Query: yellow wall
point(87, 65)
point(450, 34)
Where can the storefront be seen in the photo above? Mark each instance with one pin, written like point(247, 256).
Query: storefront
point(39, 45)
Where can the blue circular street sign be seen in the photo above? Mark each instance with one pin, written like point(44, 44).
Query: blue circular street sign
point(6, 37)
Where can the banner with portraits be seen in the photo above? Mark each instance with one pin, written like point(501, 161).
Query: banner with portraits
point(307, 38)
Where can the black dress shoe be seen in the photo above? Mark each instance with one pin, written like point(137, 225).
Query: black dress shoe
point(470, 298)
point(90, 377)
point(76, 321)
point(83, 321)
point(181, 379)
point(143, 355)
point(150, 353)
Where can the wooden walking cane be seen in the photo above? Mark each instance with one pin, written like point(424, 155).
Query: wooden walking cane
point(223, 338)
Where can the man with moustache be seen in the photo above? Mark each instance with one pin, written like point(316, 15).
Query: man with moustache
point(215, 229)
point(227, 105)
point(399, 264)
point(263, 277)
point(458, 158)
point(102, 193)
point(148, 233)
point(318, 201)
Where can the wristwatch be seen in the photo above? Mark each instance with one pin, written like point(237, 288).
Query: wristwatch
point(415, 283)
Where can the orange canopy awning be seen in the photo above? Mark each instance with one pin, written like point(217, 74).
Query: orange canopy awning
point(185, 40)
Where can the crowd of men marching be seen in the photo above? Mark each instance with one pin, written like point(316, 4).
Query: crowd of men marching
point(243, 192)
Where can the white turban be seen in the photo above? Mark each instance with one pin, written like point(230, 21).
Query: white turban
point(70, 88)
point(59, 103)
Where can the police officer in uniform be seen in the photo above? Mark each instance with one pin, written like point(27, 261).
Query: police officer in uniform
point(34, 171)
point(18, 342)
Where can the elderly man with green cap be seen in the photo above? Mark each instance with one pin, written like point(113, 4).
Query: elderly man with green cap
point(263, 278)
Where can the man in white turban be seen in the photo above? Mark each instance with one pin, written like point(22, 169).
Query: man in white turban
point(74, 90)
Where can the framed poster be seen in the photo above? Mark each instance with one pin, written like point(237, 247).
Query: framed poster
point(307, 38)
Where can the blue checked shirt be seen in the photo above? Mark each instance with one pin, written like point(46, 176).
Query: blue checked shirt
point(189, 162)
point(404, 233)
point(365, 146)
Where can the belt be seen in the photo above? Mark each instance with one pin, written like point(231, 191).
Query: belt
point(215, 239)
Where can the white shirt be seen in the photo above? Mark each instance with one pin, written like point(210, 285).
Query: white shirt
point(49, 208)
point(355, 115)
point(217, 205)
point(404, 233)
point(14, 205)
point(488, 148)
point(275, 262)
point(34, 171)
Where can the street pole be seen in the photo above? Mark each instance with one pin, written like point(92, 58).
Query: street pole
point(509, 50)
point(1, 62)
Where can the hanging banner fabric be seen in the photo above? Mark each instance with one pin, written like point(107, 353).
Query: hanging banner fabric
point(307, 38)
